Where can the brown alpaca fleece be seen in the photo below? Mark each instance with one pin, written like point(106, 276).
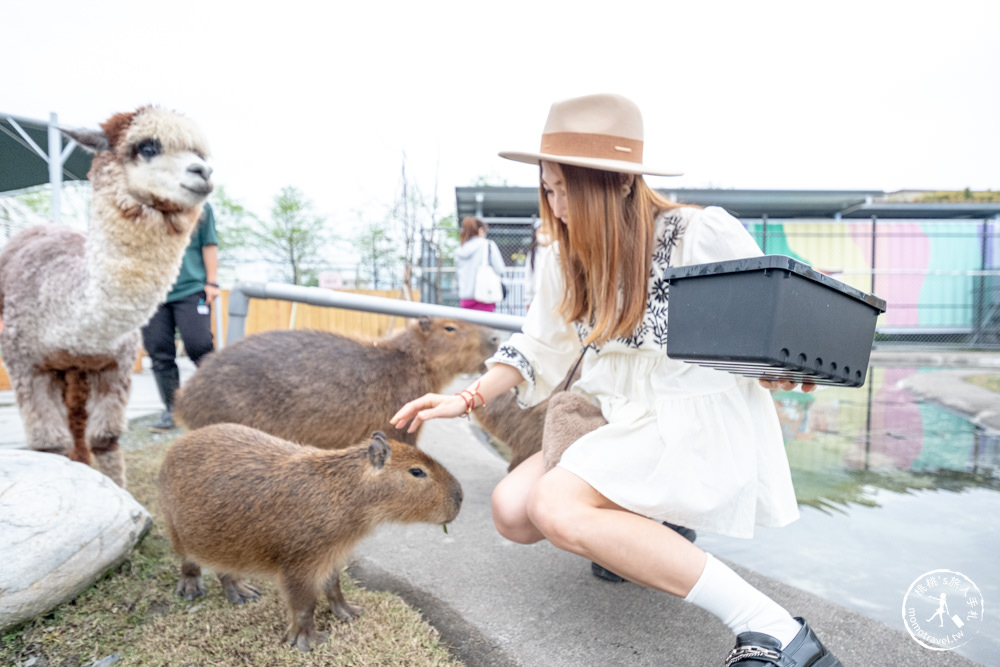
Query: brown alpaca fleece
point(326, 389)
point(243, 502)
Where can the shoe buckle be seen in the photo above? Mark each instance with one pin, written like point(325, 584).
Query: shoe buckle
point(749, 651)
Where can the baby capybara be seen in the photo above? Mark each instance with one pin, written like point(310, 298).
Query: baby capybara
point(326, 389)
point(241, 502)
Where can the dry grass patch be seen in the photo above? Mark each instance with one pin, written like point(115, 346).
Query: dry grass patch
point(133, 612)
point(989, 381)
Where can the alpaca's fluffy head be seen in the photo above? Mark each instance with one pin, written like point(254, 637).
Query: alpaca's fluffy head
point(162, 157)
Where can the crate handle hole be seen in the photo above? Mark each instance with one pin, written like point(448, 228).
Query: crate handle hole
point(847, 371)
point(784, 354)
point(819, 364)
point(833, 367)
point(803, 359)
point(857, 376)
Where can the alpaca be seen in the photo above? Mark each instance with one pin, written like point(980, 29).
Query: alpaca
point(72, 303)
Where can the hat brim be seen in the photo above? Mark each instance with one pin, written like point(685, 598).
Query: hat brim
point(593, 163)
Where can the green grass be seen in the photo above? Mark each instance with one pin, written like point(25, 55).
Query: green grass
point(133, 612)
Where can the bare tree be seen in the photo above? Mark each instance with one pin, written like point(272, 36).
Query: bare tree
point(412, 212)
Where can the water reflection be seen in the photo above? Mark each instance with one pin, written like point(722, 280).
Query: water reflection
point(844, 444)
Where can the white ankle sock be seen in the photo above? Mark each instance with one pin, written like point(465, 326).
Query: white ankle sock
point(739, 605)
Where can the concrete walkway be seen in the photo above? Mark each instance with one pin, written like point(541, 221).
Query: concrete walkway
point(498, 603)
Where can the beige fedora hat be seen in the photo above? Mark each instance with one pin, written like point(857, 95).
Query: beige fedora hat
point(597, 131)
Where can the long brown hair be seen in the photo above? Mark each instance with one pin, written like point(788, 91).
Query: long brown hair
point(470, 228)
point(605, 249)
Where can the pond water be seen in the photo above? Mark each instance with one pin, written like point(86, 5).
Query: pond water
point(890, 487)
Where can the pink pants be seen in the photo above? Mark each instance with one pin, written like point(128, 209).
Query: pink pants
point(472, 304)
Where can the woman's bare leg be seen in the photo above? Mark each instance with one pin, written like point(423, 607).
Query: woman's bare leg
point(510, 502)
point(575, 517)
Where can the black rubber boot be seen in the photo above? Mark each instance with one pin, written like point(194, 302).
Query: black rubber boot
point(603, 573)
point(167, 383)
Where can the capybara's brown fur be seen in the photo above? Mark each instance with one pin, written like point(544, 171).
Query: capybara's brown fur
point(520, 429)
point(241, 501)
point(328, 390)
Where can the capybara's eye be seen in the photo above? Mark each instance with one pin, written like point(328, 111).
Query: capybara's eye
point(418, 472)
point(450, 328)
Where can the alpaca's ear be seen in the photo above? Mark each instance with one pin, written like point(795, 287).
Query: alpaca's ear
point(93, 140)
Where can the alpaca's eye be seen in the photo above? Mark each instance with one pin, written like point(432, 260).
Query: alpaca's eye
point(148, 148)
point(450, 328)
point(418, 472)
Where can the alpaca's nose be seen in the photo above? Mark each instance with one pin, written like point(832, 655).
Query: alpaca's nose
point(201, 169)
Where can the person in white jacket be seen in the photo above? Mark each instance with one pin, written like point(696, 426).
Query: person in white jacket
point(475, 249)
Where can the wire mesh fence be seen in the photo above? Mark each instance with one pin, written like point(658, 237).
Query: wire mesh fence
point(940, 278)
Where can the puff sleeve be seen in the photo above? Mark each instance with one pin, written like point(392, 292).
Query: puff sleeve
point(712, 235)
point(546, 346)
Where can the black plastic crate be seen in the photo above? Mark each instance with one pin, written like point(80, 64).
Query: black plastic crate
point(771, 317)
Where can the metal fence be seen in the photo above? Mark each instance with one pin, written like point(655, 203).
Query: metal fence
point(940, 278)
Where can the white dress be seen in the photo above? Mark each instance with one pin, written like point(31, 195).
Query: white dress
point(686, 444)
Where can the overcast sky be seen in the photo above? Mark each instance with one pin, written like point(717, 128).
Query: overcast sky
point(327, 96)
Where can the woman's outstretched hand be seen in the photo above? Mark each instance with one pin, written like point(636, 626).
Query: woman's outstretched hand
point(428, 406)
point(786, 385)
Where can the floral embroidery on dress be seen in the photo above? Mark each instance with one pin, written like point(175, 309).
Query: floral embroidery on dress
point(670, 228)
point(653, 328)
point(513, 357)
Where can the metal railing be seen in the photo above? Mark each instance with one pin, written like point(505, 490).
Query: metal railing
point(241, 293)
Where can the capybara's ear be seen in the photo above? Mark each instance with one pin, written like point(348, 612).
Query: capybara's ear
point(378, 450)
point(425, 323)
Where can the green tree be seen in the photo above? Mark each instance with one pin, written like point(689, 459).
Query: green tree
point(413, 212)
point(378, 257)
point(293, 238)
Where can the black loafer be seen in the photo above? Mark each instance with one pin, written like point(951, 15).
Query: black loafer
point(755, 649)
point(608, 575)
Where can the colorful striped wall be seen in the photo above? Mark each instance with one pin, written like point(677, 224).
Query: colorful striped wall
point(934, 275)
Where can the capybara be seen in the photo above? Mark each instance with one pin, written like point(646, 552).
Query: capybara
point(328, 390)
point(241, 502)
point(519, 429)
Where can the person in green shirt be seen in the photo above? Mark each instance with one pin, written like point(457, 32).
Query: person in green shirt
point(188, 309)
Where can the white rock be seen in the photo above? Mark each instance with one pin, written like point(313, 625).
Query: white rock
point(62, 525)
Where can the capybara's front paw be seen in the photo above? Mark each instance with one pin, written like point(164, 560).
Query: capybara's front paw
point(305, 640)
point(345, 610)
point(190, 588)
point(236, 591)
